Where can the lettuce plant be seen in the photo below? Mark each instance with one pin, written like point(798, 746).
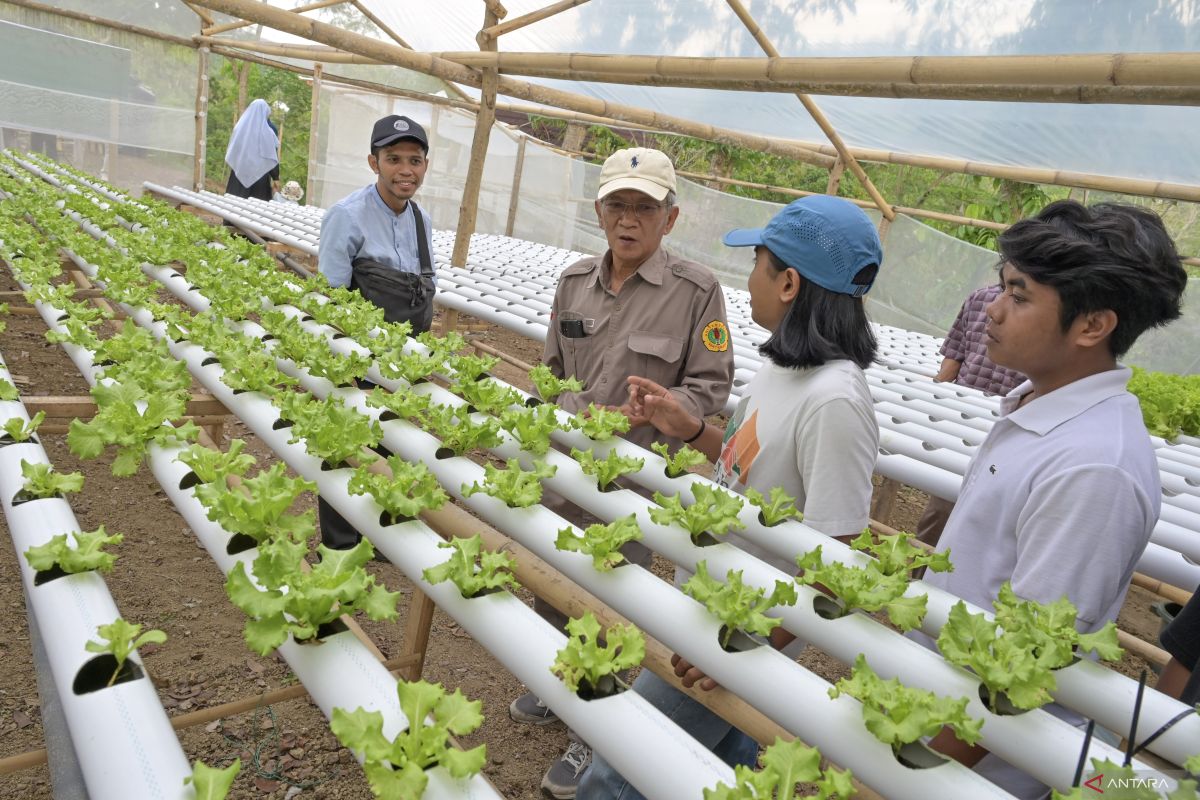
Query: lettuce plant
point(715, 511)
point(601, 424)
point(867, 588)
point(584, 662)
point(409, 490)
point(459, 432)
point(120, 638)
point(211, 783)
point(895, 554)
point(775, 508)
point(258, 507)
point(18, 430)
point(473, 569)
point(602, 542)
point(785, 766)
point(684, 458)
point(490, 397)
point(396, 768)
point(212, 466)
point(514, 485)
point(88, 552)
point(531, 427)
point(41, 481)
point(550, 386)
point(406, 405)
point(739, 606)
point(608, 469)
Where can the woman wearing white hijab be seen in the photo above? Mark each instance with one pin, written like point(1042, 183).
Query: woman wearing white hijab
point(253, 153)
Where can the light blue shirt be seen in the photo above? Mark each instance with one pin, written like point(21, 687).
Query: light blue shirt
point(361, 225)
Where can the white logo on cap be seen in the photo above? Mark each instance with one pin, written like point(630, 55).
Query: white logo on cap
point(400, 125)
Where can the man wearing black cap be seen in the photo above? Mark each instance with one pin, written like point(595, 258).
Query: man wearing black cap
point(377, 240)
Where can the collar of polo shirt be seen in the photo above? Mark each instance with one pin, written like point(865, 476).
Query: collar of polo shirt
point(651, 270)
point(1064, 403)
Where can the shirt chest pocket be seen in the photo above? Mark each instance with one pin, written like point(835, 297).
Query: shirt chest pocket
point(656, 356)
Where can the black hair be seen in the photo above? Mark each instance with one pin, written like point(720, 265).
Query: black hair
point(1107, 256)
point(822, 325)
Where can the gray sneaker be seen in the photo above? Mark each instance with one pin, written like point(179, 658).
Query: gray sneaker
point(562, 779)
point(529, 708)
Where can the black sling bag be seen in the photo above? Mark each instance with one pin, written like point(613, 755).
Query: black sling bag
point(403, 296)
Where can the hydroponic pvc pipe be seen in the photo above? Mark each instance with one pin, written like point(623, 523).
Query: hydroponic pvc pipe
point(122, 737)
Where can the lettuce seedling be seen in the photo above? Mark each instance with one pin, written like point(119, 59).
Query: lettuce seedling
point(549, 386)
point(469, 368)
point(715, 511)
point(600, 424)
point(459, 432)
point(515, 486)
point(335, 433)
point(42, 481)
point(8, 391)
point(776, 508)
point(404, 404)
point(409, 490)
point(608, 469)
point(864, 587)
point(299, 602)
point(444, 347)
point(898, 715)
point(88, 552)
point(895, 554)
point(737, 605)
point(18, 430)
point(258, 507)
point(1016, 653)
point(684, 459)
point(584, 661)
point(212, 465)
point(531, 427)
point(211, 783)
point(119, 639)
point(396, 769)
point(412, 367)
point(602, 542)
point(119, 422)
point(490, 397)
point(786, 765)
point(473, 569)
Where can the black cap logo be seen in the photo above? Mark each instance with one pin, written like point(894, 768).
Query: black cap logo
point(400, 125)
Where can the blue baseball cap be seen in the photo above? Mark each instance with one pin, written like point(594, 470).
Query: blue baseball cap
point(826, 239)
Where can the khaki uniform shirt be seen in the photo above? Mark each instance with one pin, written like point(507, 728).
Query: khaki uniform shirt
point(667, 324)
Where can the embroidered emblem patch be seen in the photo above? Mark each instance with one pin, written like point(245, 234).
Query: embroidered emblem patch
point(400, 125)
point(716, 336)
point(633, 162)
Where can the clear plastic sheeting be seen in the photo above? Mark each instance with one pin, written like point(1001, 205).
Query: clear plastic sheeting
point(116, 104)
point(926, 274)
point(1131, 141)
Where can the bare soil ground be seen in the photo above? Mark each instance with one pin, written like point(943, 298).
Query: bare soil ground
point(163, 579)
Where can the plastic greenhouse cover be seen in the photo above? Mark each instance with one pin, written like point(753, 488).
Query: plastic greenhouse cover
point(1150, 142)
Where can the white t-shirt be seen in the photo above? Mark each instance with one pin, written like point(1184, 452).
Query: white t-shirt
point(812, 432)
point(1060, 499)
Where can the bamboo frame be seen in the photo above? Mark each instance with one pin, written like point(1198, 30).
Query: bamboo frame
point(845, 159)
point(485, 118)
point(495, 7)
point(1054, 177)
point(979, 77)
point(515, 196)
point(494, 32)
point(326, 55)
point(314, 117)
point(295, 24)
point(213, 30)
point(204, 16)
point(200, 145)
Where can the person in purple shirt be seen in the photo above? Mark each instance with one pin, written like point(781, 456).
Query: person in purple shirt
point(965, 362)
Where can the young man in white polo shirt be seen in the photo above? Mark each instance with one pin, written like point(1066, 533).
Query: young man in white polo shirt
point(1062, 495)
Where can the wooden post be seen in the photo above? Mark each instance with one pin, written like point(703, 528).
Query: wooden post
point(318, 69)
point(468, 211)
point(201, 142)
point(243, 72)
point(885, 500)
point(573, 138)
point(516, 188)
point(416, 632)
point(835, 177)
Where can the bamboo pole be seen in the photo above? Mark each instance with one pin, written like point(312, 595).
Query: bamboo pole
point(835, 177)
point(515, 196)
point(213, 30)
point(812, 76)
point(496, 31)
point(328, 55)
point(314, 116)
point(297, 25)
point(468, 210)
point(101, 21)
point(495, 7)
point(204, 16)
point(200, 145)
point(1164, 590)
point(395, 37)
point(845, 158)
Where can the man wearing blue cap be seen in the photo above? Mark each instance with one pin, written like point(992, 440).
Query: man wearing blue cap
point(805, 422)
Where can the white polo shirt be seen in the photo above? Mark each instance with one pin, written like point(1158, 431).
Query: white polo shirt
point(1060, 498)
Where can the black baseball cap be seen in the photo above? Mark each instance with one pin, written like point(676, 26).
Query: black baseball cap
point(392, 129)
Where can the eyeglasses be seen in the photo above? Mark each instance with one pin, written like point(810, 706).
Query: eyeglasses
point(615, 209)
